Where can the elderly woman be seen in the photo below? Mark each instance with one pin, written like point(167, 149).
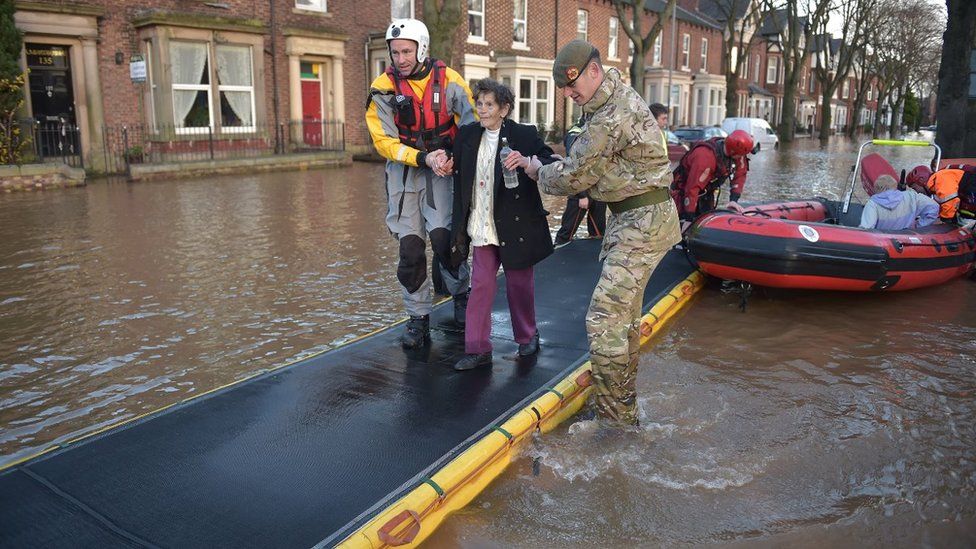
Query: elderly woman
point(505, 226)
point(890, 209)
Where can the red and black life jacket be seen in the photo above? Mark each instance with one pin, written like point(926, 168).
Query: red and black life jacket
point(723, 164)
point(433, 126)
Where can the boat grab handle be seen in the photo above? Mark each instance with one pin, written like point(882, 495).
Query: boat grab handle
point(385, 533)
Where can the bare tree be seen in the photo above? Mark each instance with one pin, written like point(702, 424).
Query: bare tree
point(836, 68)
point(642, 42)
point(864, 80)
point(740, 19)
point(908, 46)
point(443, 17)
point(796, 21)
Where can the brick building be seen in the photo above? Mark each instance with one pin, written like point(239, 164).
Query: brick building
point(298, 70)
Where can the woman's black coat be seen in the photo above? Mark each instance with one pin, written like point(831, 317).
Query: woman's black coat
point(520, 219)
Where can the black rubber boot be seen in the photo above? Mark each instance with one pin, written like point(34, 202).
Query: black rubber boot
point(472, 361)
point(461, 307)
point(417, 332)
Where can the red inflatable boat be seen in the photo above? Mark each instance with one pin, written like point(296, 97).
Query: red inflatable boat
point(810, 244)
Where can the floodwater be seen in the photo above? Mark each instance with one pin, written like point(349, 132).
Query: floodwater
point(807, 420)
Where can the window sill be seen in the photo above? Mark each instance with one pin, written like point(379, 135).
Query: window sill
point(520, 47)
point(477, 40)
point(616, 59)
point(312, 12)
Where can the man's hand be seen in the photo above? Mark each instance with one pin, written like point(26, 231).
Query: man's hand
point(734, 206)
point(584, 203)
point(532, 168)
point(437, 160)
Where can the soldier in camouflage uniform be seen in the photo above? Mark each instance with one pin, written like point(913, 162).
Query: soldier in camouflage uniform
point(620, 158)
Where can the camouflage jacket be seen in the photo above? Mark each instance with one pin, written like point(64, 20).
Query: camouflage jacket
point(620, 152)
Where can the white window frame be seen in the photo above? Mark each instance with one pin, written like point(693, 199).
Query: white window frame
point(845, 89)
point(533, 101)
point(612, 40)
point(478, 15)
point(228, 88)
point(685, 51)
point(657, 50)
point(758, 68)
point(704, 55)
point(412, 8)
point(582, 24)
point(523, 20)
point(772, 64)
point(745, 69)
point(312, 5)
point(189, 130)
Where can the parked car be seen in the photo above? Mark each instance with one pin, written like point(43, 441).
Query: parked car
point(690, 135)
point(762, 134)
point(676, 149)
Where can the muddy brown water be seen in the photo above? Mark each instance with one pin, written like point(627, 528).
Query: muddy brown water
point(809, 419)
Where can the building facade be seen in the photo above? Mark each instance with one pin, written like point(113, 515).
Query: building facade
point(295, 72)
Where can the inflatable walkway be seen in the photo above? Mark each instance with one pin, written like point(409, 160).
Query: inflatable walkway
point(362, 446)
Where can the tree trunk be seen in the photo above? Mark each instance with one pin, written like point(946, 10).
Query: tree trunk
point(443, 17)
point(955, 111)
point(878, 118)
point(825, 119)
point(731, 95)
point(637, 72)
point(787, 127)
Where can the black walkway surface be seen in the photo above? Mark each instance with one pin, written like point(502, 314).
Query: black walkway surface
point(306, 453)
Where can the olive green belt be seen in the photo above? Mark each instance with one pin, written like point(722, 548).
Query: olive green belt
point(653, 196)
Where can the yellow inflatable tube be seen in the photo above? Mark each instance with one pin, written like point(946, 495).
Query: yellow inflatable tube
point(413, 518)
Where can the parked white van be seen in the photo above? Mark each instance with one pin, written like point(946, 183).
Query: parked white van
point(762, 134)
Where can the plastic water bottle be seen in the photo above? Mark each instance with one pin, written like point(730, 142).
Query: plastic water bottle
point(511, 179)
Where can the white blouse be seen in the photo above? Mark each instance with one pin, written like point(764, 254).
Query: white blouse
point(481, 223)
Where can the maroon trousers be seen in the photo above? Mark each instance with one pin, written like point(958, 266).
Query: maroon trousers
point(520, 286)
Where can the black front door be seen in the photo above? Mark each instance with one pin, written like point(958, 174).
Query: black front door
point(52, 99)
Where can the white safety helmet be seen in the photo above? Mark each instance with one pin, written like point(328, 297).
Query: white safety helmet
point(410, 29)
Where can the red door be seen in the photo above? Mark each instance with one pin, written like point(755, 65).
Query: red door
point(312, 112)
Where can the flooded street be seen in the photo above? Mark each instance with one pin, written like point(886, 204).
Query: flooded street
point(809, 419)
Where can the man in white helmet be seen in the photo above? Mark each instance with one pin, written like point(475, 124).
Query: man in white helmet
point(412, 113)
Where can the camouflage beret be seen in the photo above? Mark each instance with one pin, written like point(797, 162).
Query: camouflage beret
point(571, 61)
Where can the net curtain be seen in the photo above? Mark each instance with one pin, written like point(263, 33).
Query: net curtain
point(234, 69)
point(189, 61)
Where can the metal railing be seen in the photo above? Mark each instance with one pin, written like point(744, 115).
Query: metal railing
point(52, 140)
point(140, 144)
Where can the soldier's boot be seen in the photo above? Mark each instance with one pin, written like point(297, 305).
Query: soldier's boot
point(417, 332)
point(461, 307)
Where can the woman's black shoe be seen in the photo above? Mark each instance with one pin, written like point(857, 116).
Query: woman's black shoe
point(530, 348)
point(472, 361)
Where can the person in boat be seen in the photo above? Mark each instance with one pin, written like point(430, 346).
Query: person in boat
point(502, 225)
point(703, 170)
point(620, 157)
point(412, 114)
point(891, 209)
point(945, 187)
point(580, 205)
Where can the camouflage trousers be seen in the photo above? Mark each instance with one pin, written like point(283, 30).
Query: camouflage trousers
point(635, 242)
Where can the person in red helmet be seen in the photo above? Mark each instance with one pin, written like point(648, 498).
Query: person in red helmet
point(917, 178)
point(703, 170)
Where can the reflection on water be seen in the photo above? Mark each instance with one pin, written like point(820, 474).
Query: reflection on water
point(117, 299)
point(810, 416)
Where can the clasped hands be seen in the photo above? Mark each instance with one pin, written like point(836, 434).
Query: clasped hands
point(440, 162)
point(530, 165)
